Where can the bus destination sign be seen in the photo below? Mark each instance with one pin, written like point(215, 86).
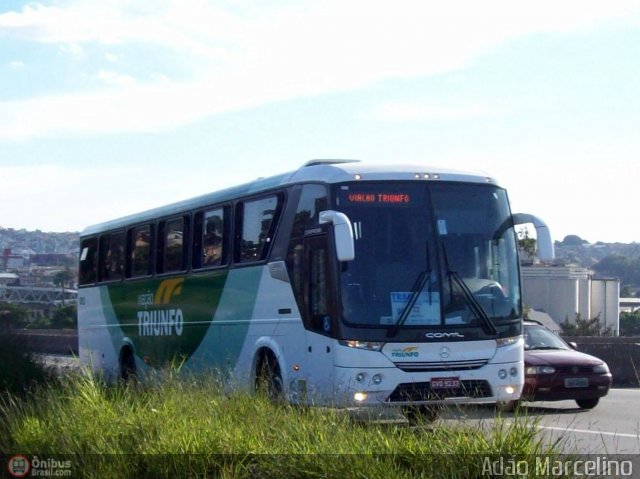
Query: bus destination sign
point(378, 198)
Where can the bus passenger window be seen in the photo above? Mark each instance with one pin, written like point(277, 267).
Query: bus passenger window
point(111, 256)
point(88, 255)
point(212, 237)
point(140, 251)
point(257, 227)
point(173, 242)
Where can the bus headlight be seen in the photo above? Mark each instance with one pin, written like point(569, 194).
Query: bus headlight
point(513, 371)
point(360, 396)
point(502, 342)
point(366, 345)
point(502, 374)
point(360, 377)
point(377, 378)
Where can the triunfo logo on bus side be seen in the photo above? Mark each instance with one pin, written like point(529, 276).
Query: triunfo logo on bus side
point(161, 321)
point(408, 352)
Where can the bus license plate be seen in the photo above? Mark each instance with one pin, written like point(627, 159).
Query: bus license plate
point(445, 383)
point(576, 383)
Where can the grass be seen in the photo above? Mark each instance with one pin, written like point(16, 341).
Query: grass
point(185, 427)
point(20, 372)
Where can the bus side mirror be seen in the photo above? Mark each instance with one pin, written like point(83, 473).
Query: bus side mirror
point(343, 233)
point(543, 242)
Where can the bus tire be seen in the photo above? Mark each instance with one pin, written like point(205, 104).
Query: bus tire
point(128, 371)
point(269, 378)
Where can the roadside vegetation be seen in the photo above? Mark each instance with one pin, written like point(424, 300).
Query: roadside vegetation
point(186, 427)
point(20, 372)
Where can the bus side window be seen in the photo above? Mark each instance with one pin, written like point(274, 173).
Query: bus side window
point(111, 256)
point(313, 200)
point(213, 238)
point(140, 251)
point(258, 220)
point(88, 256)
point(172, 240)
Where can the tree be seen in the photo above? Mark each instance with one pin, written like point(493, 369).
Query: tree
point(573, 240)
point(630, 324)
point(62, 279)
point(526, 243)
point(584, 327)
point(12, 316)
point(65, 317)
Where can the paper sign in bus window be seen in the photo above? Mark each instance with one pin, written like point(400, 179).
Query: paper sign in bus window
point(425, 311)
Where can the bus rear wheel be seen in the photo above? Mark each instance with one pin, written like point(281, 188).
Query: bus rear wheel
point(269, 379)
point(128, 371)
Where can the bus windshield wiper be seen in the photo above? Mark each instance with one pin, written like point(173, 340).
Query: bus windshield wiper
point(475, 306)
point(418, 286)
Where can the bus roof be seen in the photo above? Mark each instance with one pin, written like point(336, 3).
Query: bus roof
point(321, 171)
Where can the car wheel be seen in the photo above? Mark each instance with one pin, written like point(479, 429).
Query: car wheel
point(587, 403)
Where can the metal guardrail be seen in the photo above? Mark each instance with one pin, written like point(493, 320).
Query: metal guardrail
point(31, 295)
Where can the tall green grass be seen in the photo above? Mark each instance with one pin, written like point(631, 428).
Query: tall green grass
point(20, 372)
point(185, 427)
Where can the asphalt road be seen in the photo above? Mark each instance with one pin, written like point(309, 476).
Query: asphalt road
point(612, 427)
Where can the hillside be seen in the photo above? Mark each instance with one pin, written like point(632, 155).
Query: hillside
point(616, 260)
point(25, 243)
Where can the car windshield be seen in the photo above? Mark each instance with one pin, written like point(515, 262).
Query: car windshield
point(429, 255)
point(539, 337)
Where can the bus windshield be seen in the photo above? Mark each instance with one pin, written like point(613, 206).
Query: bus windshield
point(429, 255)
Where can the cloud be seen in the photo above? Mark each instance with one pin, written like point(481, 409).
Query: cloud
point(240, 55)
point(52, 197)
point(114, 78)
point(404, 111)
point(16, 65)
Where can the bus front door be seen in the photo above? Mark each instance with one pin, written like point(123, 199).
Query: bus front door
point(319, 318)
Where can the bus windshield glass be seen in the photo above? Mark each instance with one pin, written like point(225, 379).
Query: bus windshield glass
point(429, 255)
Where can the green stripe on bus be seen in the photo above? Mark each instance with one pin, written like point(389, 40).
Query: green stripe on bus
point(166, 319)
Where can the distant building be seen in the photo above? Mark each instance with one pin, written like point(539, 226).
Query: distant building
point(629, 305)
point(54, 259)
point(566, 291)
point(7, 279)
point(11, 261)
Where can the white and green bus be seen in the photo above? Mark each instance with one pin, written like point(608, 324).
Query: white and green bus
point(337, 284)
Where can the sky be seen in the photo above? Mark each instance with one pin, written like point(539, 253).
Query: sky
point(110, 107)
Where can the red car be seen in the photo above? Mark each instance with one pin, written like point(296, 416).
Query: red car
point(555, 371)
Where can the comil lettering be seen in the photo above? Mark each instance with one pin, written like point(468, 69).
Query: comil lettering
point(444, 335)
point(163, 322)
